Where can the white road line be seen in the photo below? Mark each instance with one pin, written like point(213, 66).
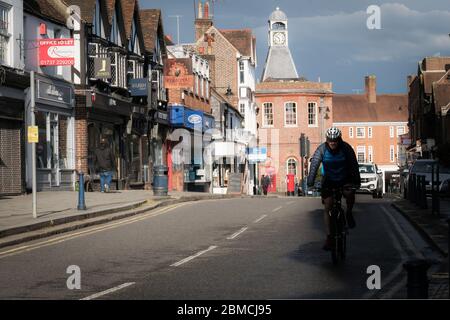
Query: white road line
point(234, 235)
point(262, 217)
point(179, 263)
point(399, 270)
point(103, 293)
point(276, 209)
point(7, 253)
point(405, 238)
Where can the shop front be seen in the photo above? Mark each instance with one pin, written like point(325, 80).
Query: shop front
point(12, 141)
point(55, 150)
point(109, 117)
point(137, 153)
point(186, 154)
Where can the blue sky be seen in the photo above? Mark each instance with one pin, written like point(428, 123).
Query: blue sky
point(330, 39)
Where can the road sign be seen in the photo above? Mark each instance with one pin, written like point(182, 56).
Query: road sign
point(33, 134)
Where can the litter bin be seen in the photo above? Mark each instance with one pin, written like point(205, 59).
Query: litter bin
point(160, 180)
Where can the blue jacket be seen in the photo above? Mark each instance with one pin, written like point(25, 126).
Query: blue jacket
point(340, 167)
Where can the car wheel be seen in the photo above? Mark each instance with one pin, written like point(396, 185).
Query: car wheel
point(374, 195)
point(380, 194)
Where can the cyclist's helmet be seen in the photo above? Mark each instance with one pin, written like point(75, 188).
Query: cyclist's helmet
point(334, 134)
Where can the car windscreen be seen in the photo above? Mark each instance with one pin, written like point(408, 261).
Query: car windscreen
point(366, 168)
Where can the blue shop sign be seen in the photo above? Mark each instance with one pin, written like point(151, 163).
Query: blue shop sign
point(193, 119)
point(176, 115)
point(138, 87)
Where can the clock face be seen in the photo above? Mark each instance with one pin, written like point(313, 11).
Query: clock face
point(279, 38)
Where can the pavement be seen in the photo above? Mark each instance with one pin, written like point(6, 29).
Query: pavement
point(57, 211)
point(434, 228)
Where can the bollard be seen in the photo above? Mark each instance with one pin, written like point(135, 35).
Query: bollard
point(424, 193)
point(417, 278)
point(435, 205)
point(418, 191)
point(81, 200)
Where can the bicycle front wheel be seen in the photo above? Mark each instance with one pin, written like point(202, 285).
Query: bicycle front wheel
point(335, 236)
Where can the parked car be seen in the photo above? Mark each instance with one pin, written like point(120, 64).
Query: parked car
point(424, 167)
point(371, 179)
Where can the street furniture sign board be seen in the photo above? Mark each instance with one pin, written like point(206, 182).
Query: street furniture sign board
point(33, 134)
point(234, 183)
point(56, 52)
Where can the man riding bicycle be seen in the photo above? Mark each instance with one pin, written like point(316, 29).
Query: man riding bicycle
point(339, 169)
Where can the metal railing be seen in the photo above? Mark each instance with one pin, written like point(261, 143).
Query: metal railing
point(416, 191)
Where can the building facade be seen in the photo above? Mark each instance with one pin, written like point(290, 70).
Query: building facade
point(289, 106)
point(428, 104)
point(13, 82)
point(232, 58)
point(373, 125)
point(187, 79)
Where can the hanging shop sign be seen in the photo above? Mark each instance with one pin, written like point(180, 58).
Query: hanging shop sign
point(178, 74)
point(162, 117)
point(56, 52)
point(102, 68)
point(138, 87)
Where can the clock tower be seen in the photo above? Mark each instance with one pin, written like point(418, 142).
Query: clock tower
point(279, 62)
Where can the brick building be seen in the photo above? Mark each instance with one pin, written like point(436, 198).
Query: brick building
point(187, 79)
point(232, 59)
point(372, 124)
point(429, 103)
point(288, 107)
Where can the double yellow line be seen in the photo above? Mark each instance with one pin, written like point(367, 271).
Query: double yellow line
point(63, 238)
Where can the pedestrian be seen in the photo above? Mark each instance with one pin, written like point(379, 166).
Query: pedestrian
point(105, 164)
point(264, 184)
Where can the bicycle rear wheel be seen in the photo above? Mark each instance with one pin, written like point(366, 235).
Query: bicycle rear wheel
point(343, 236)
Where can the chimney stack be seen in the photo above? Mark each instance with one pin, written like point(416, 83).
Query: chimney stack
point(203, 21)
point(371, 88)
point(206, 9)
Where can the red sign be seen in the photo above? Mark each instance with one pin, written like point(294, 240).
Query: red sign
point(178, 73)
point(56, 52)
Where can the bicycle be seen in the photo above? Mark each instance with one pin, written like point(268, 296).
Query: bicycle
point(338, 226)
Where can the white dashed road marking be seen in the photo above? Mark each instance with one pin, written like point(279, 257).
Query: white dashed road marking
point(103, 293)
point(234, 235)
point(179, 263)
point(262, 217)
